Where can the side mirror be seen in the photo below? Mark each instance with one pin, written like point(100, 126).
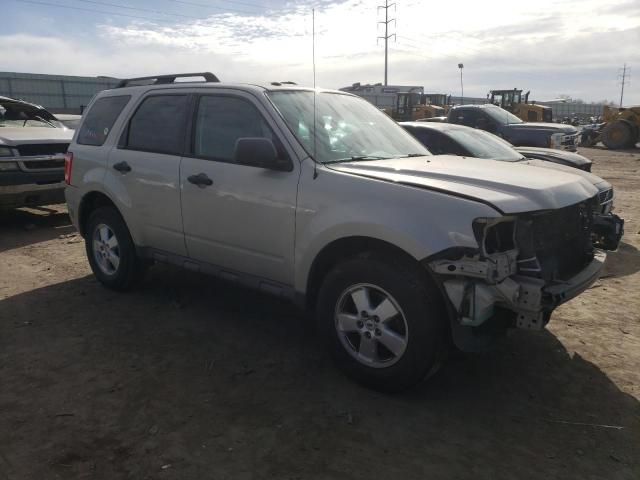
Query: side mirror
point(260, 153)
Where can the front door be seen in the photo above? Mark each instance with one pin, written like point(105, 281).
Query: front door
point(237, 217)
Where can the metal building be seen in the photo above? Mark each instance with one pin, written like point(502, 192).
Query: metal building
point(57, 93)
point(380, 95)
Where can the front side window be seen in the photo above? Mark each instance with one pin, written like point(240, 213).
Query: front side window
point(221, 121)
point(466, 117)
point(447, 146)
point(346, 127)
point(158, 124)
point(99, 120)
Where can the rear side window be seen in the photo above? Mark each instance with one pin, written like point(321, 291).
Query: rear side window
point(100, 119)
point(158, 124)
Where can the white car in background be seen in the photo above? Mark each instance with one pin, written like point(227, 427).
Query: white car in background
point(69, 120)
point(32, 148)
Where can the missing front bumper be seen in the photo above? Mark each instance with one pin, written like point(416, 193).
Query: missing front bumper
point(607, 231)
point(530, 299)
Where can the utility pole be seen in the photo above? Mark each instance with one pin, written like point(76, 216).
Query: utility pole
point(624, 77)
point(386, 37)
point(461, 66)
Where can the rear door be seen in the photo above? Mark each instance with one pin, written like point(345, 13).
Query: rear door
point(145, 169)
point(243, 220)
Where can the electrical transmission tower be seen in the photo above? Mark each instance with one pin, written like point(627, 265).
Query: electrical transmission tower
point(386, 36)
point(625, 75)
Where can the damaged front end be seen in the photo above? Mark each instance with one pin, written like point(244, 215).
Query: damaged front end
point(608, 228)
point(524, 267)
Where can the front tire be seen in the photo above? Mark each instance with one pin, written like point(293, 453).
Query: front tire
point(617, 135)
point(110, 250)
point(383, 321)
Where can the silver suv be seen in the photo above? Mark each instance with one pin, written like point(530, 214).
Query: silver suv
point(318, 197)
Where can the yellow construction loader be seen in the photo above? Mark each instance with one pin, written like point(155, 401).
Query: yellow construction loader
point(621, 129)
point(512, 101)
point(411, 106)
point(438, 99)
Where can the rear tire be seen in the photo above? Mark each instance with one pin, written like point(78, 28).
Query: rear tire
point(617, 135)
point(110, 250)
point(381, 349)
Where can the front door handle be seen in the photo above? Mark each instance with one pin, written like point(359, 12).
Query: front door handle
point(200, 180)
point(122, 167)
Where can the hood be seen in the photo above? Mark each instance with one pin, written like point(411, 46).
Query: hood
point(19, 135)
point(553, 153)
point(595, 180)
point(550, 127)
point(508, 187)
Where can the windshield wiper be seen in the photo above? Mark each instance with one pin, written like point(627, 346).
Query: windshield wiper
point(413, 155)
point(37, 117)
point(357, 158)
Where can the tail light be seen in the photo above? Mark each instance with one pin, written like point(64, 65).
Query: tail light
point(68, 164)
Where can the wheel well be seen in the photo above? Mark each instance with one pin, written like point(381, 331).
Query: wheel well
point(89, 203)
point(350, 247)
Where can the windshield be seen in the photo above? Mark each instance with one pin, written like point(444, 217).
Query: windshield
point(348, 127)
point(481, 144)
point(20, 114)
point(501, 115)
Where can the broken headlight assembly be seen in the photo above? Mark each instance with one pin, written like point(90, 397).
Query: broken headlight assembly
point(495, 235)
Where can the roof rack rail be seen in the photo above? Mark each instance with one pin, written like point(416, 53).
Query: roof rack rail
point(277, 84)
point(165, 79)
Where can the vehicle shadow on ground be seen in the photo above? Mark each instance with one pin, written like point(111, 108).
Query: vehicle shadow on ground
point(190, 378)
point(20, 227)
point(624, 261)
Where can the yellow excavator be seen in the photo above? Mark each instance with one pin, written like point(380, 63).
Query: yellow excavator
point(439, 99)
point(621, 129)
point(411, 106)
point(512, 101)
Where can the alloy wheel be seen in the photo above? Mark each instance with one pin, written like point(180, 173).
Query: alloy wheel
point(371, 325)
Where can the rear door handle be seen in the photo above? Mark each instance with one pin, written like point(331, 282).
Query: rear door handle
point(122, 167)
point(200, 180)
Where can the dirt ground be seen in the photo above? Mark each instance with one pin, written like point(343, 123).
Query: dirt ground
point(189, 378)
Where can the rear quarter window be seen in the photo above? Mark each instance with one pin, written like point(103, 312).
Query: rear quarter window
point(99, 120)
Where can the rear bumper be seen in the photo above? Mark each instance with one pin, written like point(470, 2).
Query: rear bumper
point(71, 197)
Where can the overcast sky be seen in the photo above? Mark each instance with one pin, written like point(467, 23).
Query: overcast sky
point(553, 48)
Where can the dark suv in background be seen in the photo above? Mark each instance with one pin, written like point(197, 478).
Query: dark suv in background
point(498, 121)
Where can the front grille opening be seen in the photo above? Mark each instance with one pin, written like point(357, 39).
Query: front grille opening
point(32, 149)
point(562, 240)
point(44, 164)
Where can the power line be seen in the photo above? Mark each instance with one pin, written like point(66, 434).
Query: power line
point(69, 7)
point(202, 5)
point(247, 4)
point(159, 12)
point(386, 36)
point(410, 42)
point(139, 17)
